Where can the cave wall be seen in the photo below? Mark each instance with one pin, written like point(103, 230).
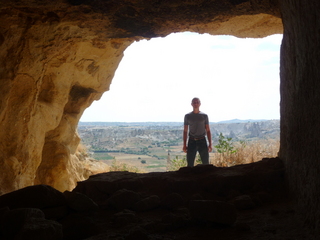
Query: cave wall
point(50, 72)
point(57, 57)
point(300, 101)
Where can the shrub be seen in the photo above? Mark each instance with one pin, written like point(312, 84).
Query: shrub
point(177, 163)
point(225, 145)
point(247, 152)
point(122, 167)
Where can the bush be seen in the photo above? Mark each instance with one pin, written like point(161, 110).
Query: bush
point(225, 145)
point(124, 167)
point(227, 151)
point(247, 152)
point(177, 163)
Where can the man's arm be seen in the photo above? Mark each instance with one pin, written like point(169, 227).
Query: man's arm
point(185, 136)
point(209, 137)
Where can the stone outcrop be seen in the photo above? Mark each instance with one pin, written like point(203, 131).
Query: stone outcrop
point(50, 72)
point(300, 101)
point(248, 201)
point(56, 57)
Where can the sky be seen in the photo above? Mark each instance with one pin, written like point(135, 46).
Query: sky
point(235, 78)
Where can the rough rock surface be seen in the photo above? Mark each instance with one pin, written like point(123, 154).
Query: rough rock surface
point(57, 57)
point(300, 101)
point(205, 202)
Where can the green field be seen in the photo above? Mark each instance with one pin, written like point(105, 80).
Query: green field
point(144, 162)
point(155, 161)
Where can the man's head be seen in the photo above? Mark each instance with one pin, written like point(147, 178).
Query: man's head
point(196, 102)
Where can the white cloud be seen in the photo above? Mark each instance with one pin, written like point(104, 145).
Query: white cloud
point(156, 80)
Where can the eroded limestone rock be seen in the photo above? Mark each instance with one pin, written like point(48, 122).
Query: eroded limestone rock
point(46, 91)
point(57, 57)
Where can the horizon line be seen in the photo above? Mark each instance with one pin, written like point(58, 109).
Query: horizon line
point(236, 119)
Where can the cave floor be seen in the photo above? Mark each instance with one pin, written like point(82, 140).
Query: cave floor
point(273, 216)
point(275, 220)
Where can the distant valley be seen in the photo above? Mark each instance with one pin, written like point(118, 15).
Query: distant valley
point(150, 144)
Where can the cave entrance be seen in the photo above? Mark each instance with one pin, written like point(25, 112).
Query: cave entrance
point(156, 80)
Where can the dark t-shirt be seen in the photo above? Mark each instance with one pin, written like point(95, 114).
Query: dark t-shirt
point(197, 123)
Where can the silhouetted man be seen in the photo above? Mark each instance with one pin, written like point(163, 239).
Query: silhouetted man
point(197, 124)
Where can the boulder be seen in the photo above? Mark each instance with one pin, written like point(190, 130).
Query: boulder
point(123, 199)
point(38, 196)
point(80, 202)
point(147, 203)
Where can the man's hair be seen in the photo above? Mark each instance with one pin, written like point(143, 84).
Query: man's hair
point(195, 98)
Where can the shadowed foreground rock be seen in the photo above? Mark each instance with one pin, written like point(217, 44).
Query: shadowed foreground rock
point(205, 202)
point(57, 57)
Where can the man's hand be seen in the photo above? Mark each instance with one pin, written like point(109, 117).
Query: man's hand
point(184, 149)
point(209, 137)
point(185, 136)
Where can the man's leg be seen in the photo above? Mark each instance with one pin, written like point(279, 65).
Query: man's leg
point(191, 152)
point(203, 151)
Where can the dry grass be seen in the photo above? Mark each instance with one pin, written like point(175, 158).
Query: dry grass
point(246, 153)
point(250, 152)
point(83, 155)
point(120, 166)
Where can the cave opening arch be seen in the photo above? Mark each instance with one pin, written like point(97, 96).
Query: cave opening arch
point(64, 56)
point(68, 23)
point(181, 66)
